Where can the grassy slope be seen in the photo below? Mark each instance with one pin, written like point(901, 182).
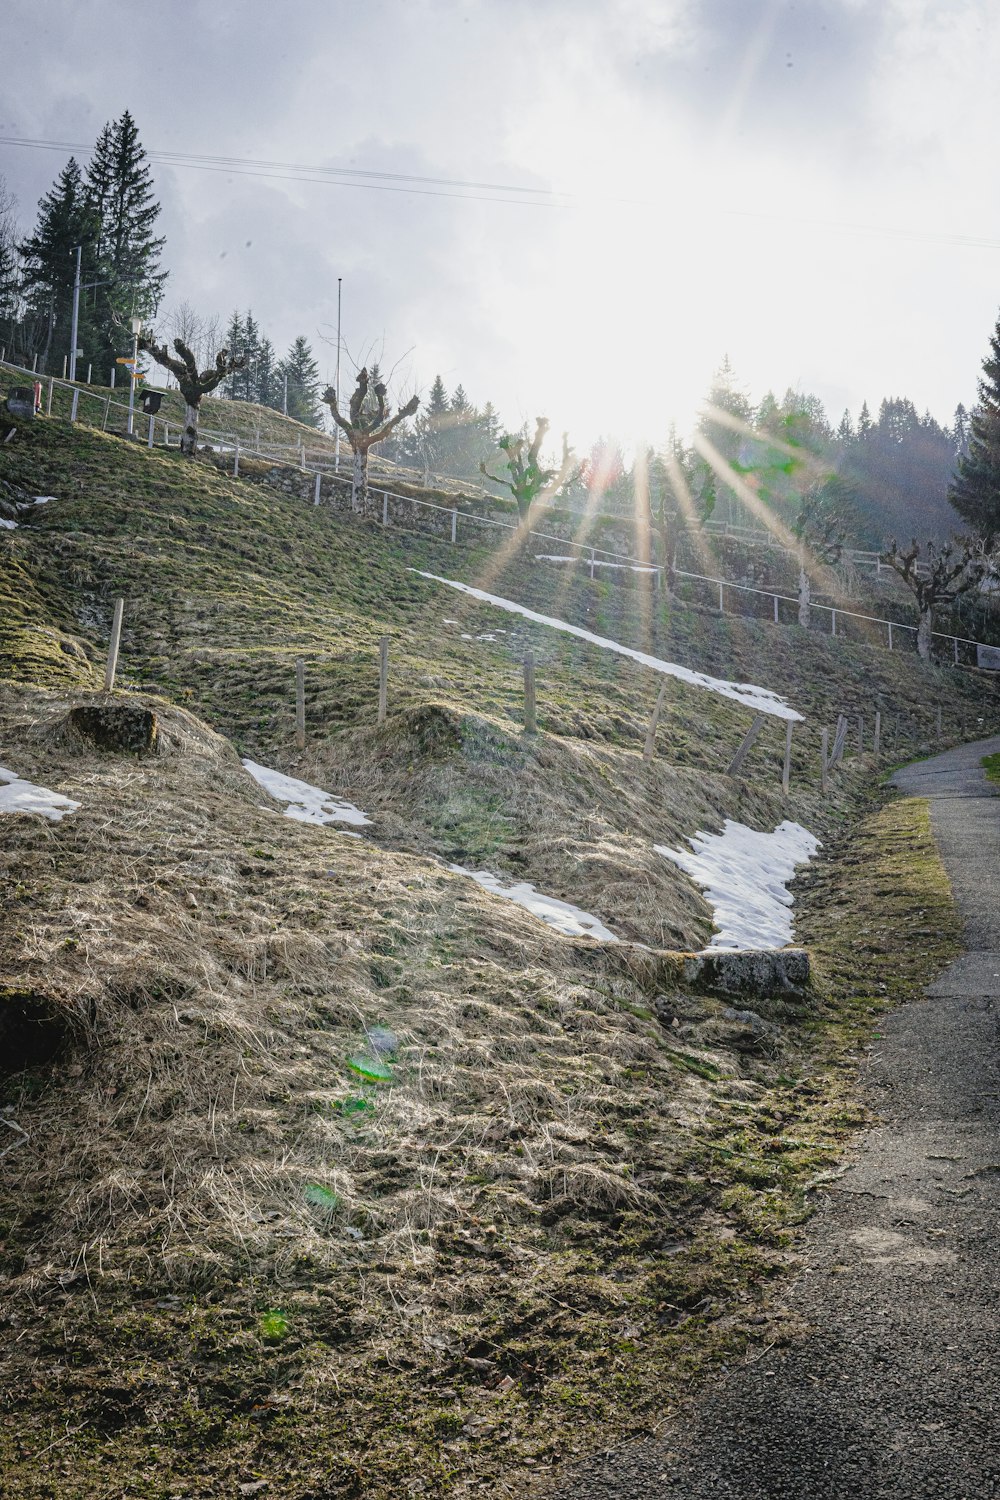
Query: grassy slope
point(562, 1207)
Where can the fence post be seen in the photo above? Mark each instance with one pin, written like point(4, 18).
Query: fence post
point(955, 639)
point(878, 733)
point(823, 747)
point(939, 721)
point(116, 635)
point(776, 619)
point(833, 622)
point(236, 461)
point(721, 608)
point(112, 377)
point(65, 357)
point(76, 402)
point(385, 507)
point(530, 725)
point(300, 703)
point(34, 364)
point(302, 454)
point(748, 739)
point(661, 698)
point(319, 479)
point(454, 526)
point(48, 403)
point(107, 408)
point(383, 677)
point(591, 562)
point(786, 769)
point(889, 623)
point(89, 368)
point(149, 438)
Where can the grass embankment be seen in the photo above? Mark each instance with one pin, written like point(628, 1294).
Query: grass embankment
point(991, 765)
point(231, 1254)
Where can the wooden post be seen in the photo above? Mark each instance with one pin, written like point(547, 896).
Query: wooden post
point(889, 623)
point(454, 526)
point(748, 739)
point(319, 480)
point(166, 435)
point(65, 357)
point(876, 746)
point(107, 408)
point(530, 724)
point(591, 562)
point(383, 677)
point(721, 608)
point(833, 622)
point(661, 698)
point(89, 369)
point(955, 639)
point(76, 402)
point(48, 403)
point(236, 461)
point(824, 743)
point(385, 508)
point(302, 454)
point(776, 619)
point(116, 635)
point(300, 703)
point(786, 769)
point(149, 439)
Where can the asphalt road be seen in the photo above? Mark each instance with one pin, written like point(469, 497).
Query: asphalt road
point(894, 1392)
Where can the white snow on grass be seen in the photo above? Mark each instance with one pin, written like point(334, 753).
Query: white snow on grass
point(43, 499)
point(744, 875)
point(567, 919)
point(304, 802)
point(17, 796)
point(8, 525)
point(760, 699)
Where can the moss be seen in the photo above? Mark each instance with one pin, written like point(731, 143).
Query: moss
point(991, 764)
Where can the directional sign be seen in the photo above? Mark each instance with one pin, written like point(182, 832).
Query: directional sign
point(125, 361)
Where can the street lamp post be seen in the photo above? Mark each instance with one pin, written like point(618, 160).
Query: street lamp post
point(136, 330)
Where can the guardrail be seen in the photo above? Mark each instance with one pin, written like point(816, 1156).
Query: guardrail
point(592, 556)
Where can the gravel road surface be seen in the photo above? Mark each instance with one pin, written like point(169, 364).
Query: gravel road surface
point(894, 1392)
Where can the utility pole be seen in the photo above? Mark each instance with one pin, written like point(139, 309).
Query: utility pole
point(134, 372)
point(76, 315)
point(284, 399)
point(336, 386)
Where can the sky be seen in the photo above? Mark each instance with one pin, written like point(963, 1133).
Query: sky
point(806, 188)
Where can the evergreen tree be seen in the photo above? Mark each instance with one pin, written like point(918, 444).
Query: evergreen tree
point(975, 490)
point(267, 382)
point(960, 430)
point(303, 383)
point(245, 380)
point(845, 431)
point(865, 423)
point(120, 196)
point(64, 221)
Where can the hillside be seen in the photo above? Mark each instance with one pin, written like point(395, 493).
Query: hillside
point(329, 1171)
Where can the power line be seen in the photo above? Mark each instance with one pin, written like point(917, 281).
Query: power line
point(517, 194)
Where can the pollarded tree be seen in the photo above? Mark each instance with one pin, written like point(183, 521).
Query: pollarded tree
point(821, 530)
point(527, 480)
point(936, 576)
point(193, 385)
point(366, 424)
point(975, 490)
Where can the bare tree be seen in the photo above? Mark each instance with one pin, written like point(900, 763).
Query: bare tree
point(820, 530)
point(526, 480)
point(936, 576)
point(366, 424)
point(192, 384)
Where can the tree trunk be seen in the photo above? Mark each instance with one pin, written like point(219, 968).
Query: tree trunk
point(924, 628)
point(189, 437)
point(359, 481)
point(805, 594)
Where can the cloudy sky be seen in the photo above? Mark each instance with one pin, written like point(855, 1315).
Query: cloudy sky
point(807, 187)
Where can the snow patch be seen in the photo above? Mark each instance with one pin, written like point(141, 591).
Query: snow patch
point(760, 699)
point(597, 563)
point(304, 802)
point(8, 525)
point(42, 499)
point(565, 918)
point(17, 796)
point(744, 875)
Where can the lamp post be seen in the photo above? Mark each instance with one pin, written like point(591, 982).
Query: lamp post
point(74, 335)
point(136, 330)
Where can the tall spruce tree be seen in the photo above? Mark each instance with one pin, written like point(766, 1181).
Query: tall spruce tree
point(303, 383)
point(234, 340)
point(65, 220)
point(975, 490)
point(119, 192)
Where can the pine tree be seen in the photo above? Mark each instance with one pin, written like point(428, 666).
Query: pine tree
point(975, 490)
point(845, 432)
point(119, 193)
point(267, 382)
point(303, 383)
point(960, 429)
point(246, 380)
point(234, 346)
point(865, 423)
point(49, 260)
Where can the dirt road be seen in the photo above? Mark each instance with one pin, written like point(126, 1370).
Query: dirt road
point(894, 1393)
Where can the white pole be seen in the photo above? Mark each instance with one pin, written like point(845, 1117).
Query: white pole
point(112, 377)
point(284, 399)
point(149, 439)
point(76, 316)
point(131, 383)
point(336, 433)
point(316, 489)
